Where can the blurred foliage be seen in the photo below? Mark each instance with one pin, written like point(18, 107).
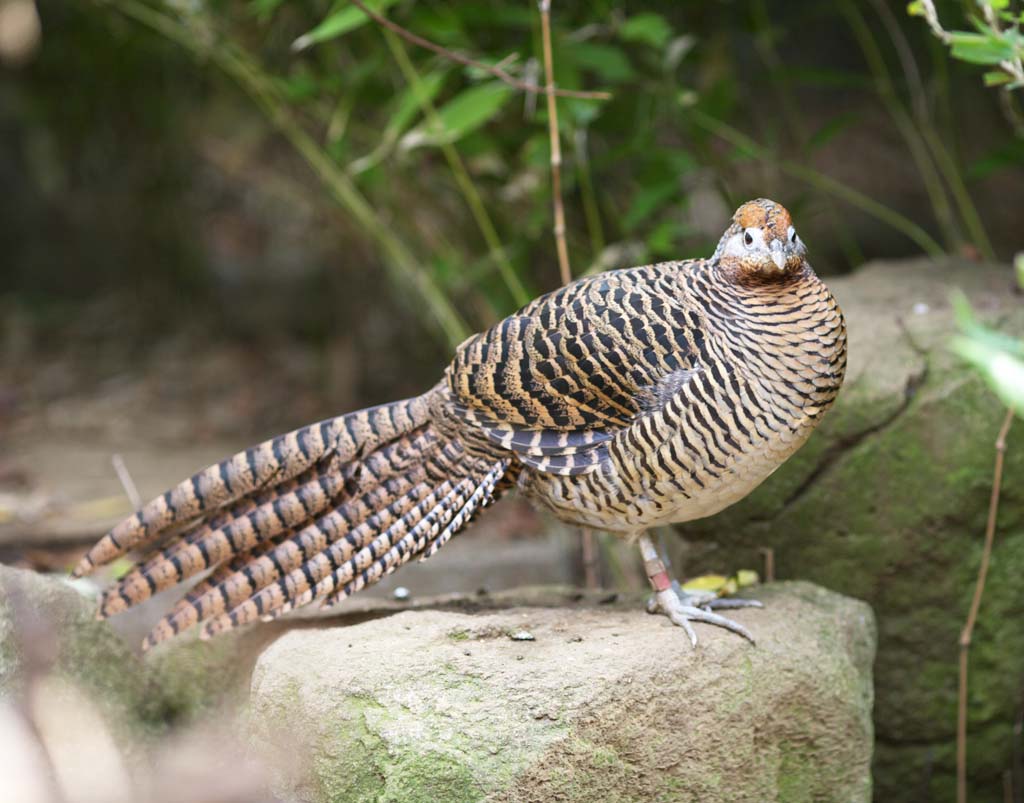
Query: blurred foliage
point(442, 172)
point(999, 357)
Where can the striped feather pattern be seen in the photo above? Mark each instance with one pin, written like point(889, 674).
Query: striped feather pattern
point(624, 400)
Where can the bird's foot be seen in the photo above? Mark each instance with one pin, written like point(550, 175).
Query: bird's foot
point(712, 600)
point(683, 607)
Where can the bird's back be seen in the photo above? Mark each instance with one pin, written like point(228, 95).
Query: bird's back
point(653, 394)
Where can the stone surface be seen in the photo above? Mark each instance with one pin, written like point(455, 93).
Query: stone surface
point(137, 698)
point(887, 503)
point(605, 703)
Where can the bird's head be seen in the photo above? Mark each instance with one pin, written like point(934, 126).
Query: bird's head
point(761, 244)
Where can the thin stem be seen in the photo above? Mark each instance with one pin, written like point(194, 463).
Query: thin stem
point(462, 178)
point(940, 153)
point(556, 144)
point(589, 545)
point(904, 124)
point(821, 181)
point(451, 55)
point(972, 615)
point(796, 123)
point(405, 268)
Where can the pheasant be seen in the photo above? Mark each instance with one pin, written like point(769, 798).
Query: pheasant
point(622, 401)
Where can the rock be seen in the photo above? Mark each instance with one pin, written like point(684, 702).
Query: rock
point(137, 698)
point(887, 503)
point(606, 703)
point(59, 622)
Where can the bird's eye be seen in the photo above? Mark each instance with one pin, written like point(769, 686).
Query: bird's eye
point(792, 235)
point(748, 238)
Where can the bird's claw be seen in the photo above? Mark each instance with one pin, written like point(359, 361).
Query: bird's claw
point(684, 608)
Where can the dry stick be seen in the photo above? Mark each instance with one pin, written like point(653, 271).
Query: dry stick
point(127, 482)
point(589, 545)
point(556, 144)
point(769, 563)
point(972, 615)
point(451, 55)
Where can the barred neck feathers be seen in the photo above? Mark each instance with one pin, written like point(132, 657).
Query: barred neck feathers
point(786, 332)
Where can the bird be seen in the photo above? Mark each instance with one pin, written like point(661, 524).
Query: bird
point(622, 401)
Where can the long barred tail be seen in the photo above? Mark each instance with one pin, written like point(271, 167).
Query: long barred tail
point(313, 515)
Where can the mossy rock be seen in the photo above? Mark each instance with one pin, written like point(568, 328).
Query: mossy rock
point(887, 503)
point(605, 703)
point(138, 698)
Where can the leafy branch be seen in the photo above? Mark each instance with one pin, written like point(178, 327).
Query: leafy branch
point(451, 55)
point(996, 42)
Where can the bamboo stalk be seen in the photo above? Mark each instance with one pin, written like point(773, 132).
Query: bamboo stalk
point(589, 546)
point(556, 144)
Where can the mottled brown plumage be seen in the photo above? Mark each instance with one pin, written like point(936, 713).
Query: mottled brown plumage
point(629, 399)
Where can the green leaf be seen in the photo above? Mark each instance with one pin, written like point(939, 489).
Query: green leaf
point(1008, 156)
point(1003, 372)
point(647, 201)
point(410, 99)
point(648, 28)
point(915, 9)
point(831, 129)
point(263, 10)
point(463, 114)
point(977, 48)
point(963, 314)
point(339, 22)
point(996, 78)
point(997, 5)
point(607, 61)
point(1018, 267)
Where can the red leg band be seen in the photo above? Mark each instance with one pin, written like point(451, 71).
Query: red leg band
point(660, 580)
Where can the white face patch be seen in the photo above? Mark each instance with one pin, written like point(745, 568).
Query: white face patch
point(737, 245)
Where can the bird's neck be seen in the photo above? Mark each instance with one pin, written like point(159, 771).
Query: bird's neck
point(788, 332)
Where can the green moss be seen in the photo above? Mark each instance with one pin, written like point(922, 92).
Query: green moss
point(350, 761)
point(797, 775)
point(429, 777)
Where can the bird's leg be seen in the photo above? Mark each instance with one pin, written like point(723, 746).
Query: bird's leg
point(706, 599)
point(670, 603)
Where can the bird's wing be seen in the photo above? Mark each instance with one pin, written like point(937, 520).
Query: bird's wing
point(555, 381)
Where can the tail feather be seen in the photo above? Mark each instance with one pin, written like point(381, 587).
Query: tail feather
point(292, 507)
point(314, 515)
point(276, 460)
point(350, 520)
point(200, 529)
point(404, 550)
point(291, 590)
point(396, 544)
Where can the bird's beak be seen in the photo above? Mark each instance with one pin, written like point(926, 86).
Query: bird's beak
point(778, 254)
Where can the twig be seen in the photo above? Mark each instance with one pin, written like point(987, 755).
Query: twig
point(1013, 67)
point(466, 186)
point(491, 69)
point(905, 124)
point(589, 545)
point(933, 141)
point(236, 63)
point(972, 615)
point(769, 563)
point(556, 144)
point(126, 481)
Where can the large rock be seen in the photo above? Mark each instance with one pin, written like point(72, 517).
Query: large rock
point(603, 703)
point(138, 699)
point(887, 503)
